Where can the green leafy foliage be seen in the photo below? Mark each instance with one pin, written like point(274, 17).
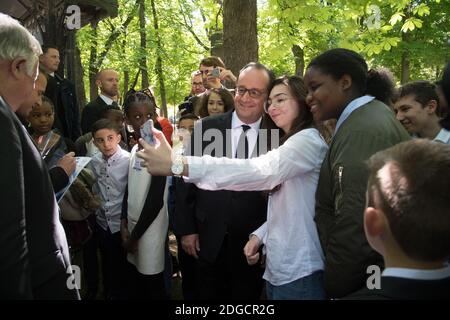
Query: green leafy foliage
point(381, 30)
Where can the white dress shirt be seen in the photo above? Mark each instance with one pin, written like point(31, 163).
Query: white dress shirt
point(107, 100)
point(289, 234)
point(112, 179)
point(443, 136)
point(417, 274)
point(236, 131)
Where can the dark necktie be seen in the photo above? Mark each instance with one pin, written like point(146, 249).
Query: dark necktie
point(114, 105)
point(242, 149)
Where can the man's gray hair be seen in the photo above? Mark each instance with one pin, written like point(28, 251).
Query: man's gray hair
point(18, 42)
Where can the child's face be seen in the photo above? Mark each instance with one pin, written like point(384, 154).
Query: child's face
point(187, 124)
point(215, 104)
point(283, 109)
point(107, 141)
point(326, 95)
point(137, 116)
point(41, 118)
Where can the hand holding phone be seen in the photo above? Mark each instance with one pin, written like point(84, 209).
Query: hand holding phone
point(147, 132)
point(215, 72)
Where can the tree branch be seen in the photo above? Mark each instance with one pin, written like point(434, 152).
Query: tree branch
point(113, 37)
point(191, 29)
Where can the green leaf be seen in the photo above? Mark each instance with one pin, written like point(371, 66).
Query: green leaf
point(417, 23)
point(408, 25)
point(422, 10)
point(396, 18)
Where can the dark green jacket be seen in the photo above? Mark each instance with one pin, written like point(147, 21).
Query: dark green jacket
point(340, 196)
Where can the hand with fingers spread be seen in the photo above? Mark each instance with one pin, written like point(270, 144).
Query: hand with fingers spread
point(191, 244)
point(158, 158)
point(251, 250)
point(68, 163)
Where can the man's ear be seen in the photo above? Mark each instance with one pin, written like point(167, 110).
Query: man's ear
point(431, 106)
point(98, 83)
point(345, 82)
point(18, 67)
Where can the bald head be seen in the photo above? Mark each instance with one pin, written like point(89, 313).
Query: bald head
point(108, 82)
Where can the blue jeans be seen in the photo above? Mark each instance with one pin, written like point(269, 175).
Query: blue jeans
point(306, 288)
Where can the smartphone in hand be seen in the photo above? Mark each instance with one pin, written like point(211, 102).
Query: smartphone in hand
point(147, 132)
point(215, 72)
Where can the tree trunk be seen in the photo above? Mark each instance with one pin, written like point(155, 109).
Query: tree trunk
point(405, 68)
point(404, 77)
point(53, 31)
point(217, 44)
point(74, 68)
point(158, 66)
point(240, 41)
point(126, 83)
point(93, 67)
point(299, 59)
point(126, 72)
point(143, 55)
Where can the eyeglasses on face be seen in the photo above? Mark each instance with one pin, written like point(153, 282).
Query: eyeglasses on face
point(277, 102)
point(253, 93)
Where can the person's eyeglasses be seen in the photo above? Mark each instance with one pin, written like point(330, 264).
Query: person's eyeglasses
point(206, 71)
point(253, 93)
point(276, 103)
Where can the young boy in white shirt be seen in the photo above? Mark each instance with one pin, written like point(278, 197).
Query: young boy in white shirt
point(110, 166)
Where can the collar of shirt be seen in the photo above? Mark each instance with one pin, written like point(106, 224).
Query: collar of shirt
point(418, 274)
point(114, 157)
point(236, 130)
point(51, 74)
point(236, 123)
point(352, 106)
point(443, 136)
point(107, 100)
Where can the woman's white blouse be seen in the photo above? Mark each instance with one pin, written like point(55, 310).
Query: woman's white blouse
point(289, 234)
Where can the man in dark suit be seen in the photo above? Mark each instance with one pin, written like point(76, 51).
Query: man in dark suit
point(62, 93)
point(34, 256)
point(108, 82)
point(215, 225)
point(407, 221)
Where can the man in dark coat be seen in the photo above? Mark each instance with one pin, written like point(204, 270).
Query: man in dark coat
point(34, 256)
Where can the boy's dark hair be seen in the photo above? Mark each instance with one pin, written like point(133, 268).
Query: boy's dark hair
point(423, 92)
point(104, 124)
point(225, 95)
point(259, 66)
point(414, 196)
point(47, 46)
point(212, 61)
point(188, 116)
point(47, 100)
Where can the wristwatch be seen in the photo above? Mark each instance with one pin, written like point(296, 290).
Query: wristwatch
point(177, 166)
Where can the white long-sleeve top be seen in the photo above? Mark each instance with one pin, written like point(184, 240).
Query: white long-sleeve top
point(289, 234)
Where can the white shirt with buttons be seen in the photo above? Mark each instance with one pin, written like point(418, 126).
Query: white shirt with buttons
point(112, 178)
